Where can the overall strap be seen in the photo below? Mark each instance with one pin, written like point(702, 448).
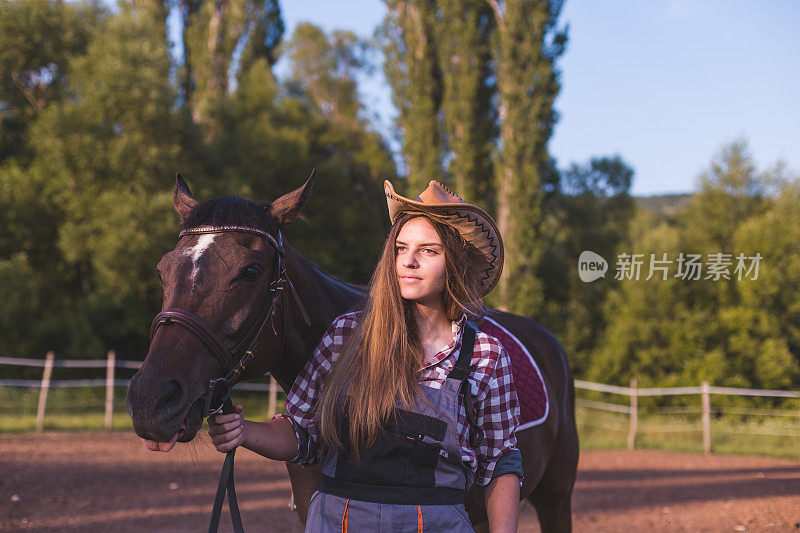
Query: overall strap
point(461, 368)
point(461, 372)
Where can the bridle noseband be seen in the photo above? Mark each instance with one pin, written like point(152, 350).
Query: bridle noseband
point(242, 353)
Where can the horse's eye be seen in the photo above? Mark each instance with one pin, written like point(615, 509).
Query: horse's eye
point(251, 272)
point(158, 272)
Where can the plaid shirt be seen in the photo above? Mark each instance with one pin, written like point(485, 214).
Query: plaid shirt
point(492, 387)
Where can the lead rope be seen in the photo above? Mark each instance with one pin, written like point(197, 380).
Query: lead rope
point(226, 485)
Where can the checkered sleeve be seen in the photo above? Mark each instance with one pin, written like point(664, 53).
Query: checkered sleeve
point(497, 410)
point(302, 397)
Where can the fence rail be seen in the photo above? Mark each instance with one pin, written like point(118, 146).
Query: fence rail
point(111, 363)
point(70, 363)
point(705, 390)
point(677, 391)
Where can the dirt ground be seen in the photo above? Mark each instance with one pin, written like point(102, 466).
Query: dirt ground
point(108, 482)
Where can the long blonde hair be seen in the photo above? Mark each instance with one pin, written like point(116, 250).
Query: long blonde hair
point(380, 361)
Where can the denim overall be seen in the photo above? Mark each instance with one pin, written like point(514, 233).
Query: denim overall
point(411, 479)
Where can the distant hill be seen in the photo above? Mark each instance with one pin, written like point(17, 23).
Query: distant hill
point(662, 204)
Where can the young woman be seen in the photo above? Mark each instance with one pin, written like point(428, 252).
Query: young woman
point(403, 402)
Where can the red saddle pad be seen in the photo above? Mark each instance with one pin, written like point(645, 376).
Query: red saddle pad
point(532, 395)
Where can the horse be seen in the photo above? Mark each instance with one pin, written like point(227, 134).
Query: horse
point(219, 277)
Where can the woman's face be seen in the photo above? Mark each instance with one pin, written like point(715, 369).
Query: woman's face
point(420, 262)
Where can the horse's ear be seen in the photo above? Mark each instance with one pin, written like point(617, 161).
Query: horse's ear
point(182, 198)
point(288, 207)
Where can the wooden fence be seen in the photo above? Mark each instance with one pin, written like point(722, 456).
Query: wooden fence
point(110, 364)
point(704, 391)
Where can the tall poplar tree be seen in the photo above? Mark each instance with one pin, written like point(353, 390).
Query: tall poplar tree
point(412, 69)
point(219, 37)
point(474, 83)
point(464, 33)
point(528, 45)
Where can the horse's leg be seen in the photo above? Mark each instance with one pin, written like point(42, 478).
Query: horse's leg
point(305, 481)
point(554, 510)
point(475, 505)
point(552, 497)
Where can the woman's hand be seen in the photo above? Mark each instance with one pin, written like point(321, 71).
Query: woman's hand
point(274, 439)
point(227, 431)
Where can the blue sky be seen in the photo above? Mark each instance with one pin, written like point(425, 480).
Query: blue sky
point(664, 84)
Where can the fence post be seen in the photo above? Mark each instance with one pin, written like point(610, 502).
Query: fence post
point(45, 387)
point(634, 416)
point(273, 396)
point(110, 367)
point(706, 418)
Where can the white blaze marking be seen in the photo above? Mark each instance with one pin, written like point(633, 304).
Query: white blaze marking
point(197, 250)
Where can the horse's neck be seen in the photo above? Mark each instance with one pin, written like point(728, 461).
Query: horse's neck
point(324, 297)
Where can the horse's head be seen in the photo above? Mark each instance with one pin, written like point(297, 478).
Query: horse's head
point(219, 284)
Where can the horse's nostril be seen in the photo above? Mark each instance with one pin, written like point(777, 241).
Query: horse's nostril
point(172, 395)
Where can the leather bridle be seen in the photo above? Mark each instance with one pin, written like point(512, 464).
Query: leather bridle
point(237, 358)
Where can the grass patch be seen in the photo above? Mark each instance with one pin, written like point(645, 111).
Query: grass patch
point(762, 435)
point(83, 409)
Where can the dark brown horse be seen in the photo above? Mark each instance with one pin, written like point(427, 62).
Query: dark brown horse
point(222, 279)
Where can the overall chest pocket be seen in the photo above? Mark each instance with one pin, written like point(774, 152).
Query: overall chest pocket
point(400, 455)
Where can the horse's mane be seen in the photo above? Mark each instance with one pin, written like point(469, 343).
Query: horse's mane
point(229, 211)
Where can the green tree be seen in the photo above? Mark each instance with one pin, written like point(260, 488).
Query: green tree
point(325, 68)
point(352, 157)
point(219, 38)
point(735, 332)
point(642, 315)
point(528, 46)
point(101, 155)
point(729, 192)
point(413, 71)
point(276, 131)
point(591, 210)
point(461, 73)
point(774, 290)
point(464, 34)
point(38, 39)
point(87, 215)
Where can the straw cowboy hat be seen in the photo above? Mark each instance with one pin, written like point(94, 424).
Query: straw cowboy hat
point(472, 222)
